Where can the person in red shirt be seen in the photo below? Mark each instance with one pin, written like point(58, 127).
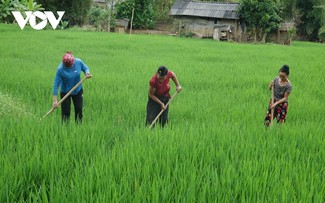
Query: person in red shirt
point(159, 95)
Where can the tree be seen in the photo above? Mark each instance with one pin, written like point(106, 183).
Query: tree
point(308, 16)
point(162, 9)
point(290, 11)
point(76, 11)
point(310, 19)
point(321, 32)
point(269, 17)
point(99, 18)
point(248, 15)
point(261, 15)
point(143, 12)
point(235, 1)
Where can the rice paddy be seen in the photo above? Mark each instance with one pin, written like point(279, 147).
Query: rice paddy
point(214, 149)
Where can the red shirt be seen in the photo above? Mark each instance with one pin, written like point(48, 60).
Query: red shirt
point(162, 88)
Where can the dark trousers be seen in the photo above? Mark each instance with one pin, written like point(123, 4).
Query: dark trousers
point(153, 109)
point(66, 105)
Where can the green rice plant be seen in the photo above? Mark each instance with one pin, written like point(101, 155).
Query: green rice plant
point(214, 149)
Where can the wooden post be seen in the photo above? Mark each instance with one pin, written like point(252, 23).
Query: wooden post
point(272, 102)
point(132, 19)
point(109, 23)
point(278, 36)
point(179, 27)
point(109, 16)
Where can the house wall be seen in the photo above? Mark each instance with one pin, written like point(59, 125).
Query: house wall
point(120, 29)
point(235, 27)
point(202, 27)
point(280, 37)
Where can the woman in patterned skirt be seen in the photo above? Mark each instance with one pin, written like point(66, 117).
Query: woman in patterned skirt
point(282, 90)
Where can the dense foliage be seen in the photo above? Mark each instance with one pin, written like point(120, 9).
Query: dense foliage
point(76, 11)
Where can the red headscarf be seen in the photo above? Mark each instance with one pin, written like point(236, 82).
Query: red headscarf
point(68, 59)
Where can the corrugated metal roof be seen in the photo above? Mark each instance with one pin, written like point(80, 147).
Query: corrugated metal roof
point(124, 22)
point(99, 1)
point(205, 9)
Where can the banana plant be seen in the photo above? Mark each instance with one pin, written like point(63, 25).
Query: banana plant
point(5, 9)
point(7, 6)
point(31, 5)
point(321, 31)
point(64, 24)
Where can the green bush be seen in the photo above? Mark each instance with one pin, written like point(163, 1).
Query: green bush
point(98, 17)
point(144, 15)
point(5, 10)
point(321, 33)
point(7, 6)
point(187, 34)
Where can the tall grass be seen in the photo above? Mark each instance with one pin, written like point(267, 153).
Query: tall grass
point(215, 148)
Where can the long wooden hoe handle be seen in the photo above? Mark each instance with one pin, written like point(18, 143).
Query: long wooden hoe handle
point(272, 102)
point(154, 121)
point(65, 96)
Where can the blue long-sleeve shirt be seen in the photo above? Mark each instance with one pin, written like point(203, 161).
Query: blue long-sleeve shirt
point(68, 77)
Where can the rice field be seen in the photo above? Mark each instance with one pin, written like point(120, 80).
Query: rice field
point(214, 149)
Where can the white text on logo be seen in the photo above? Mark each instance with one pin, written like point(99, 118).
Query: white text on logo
point(31, 17)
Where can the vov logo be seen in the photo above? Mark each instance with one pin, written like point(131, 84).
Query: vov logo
point(43, 16)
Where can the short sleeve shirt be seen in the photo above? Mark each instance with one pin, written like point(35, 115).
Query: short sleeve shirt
point(279, 91)
point(162, 88)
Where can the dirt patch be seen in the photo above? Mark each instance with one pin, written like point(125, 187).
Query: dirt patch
point(160, 29)
point(150, 32)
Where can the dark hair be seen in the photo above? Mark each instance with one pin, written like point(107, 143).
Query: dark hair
point(285, 69)
point(162, 70)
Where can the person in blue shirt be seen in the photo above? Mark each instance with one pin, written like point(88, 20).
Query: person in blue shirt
point(67, 76)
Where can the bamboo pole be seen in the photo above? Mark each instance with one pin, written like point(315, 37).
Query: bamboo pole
point(272, 103)
point(65, 96)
